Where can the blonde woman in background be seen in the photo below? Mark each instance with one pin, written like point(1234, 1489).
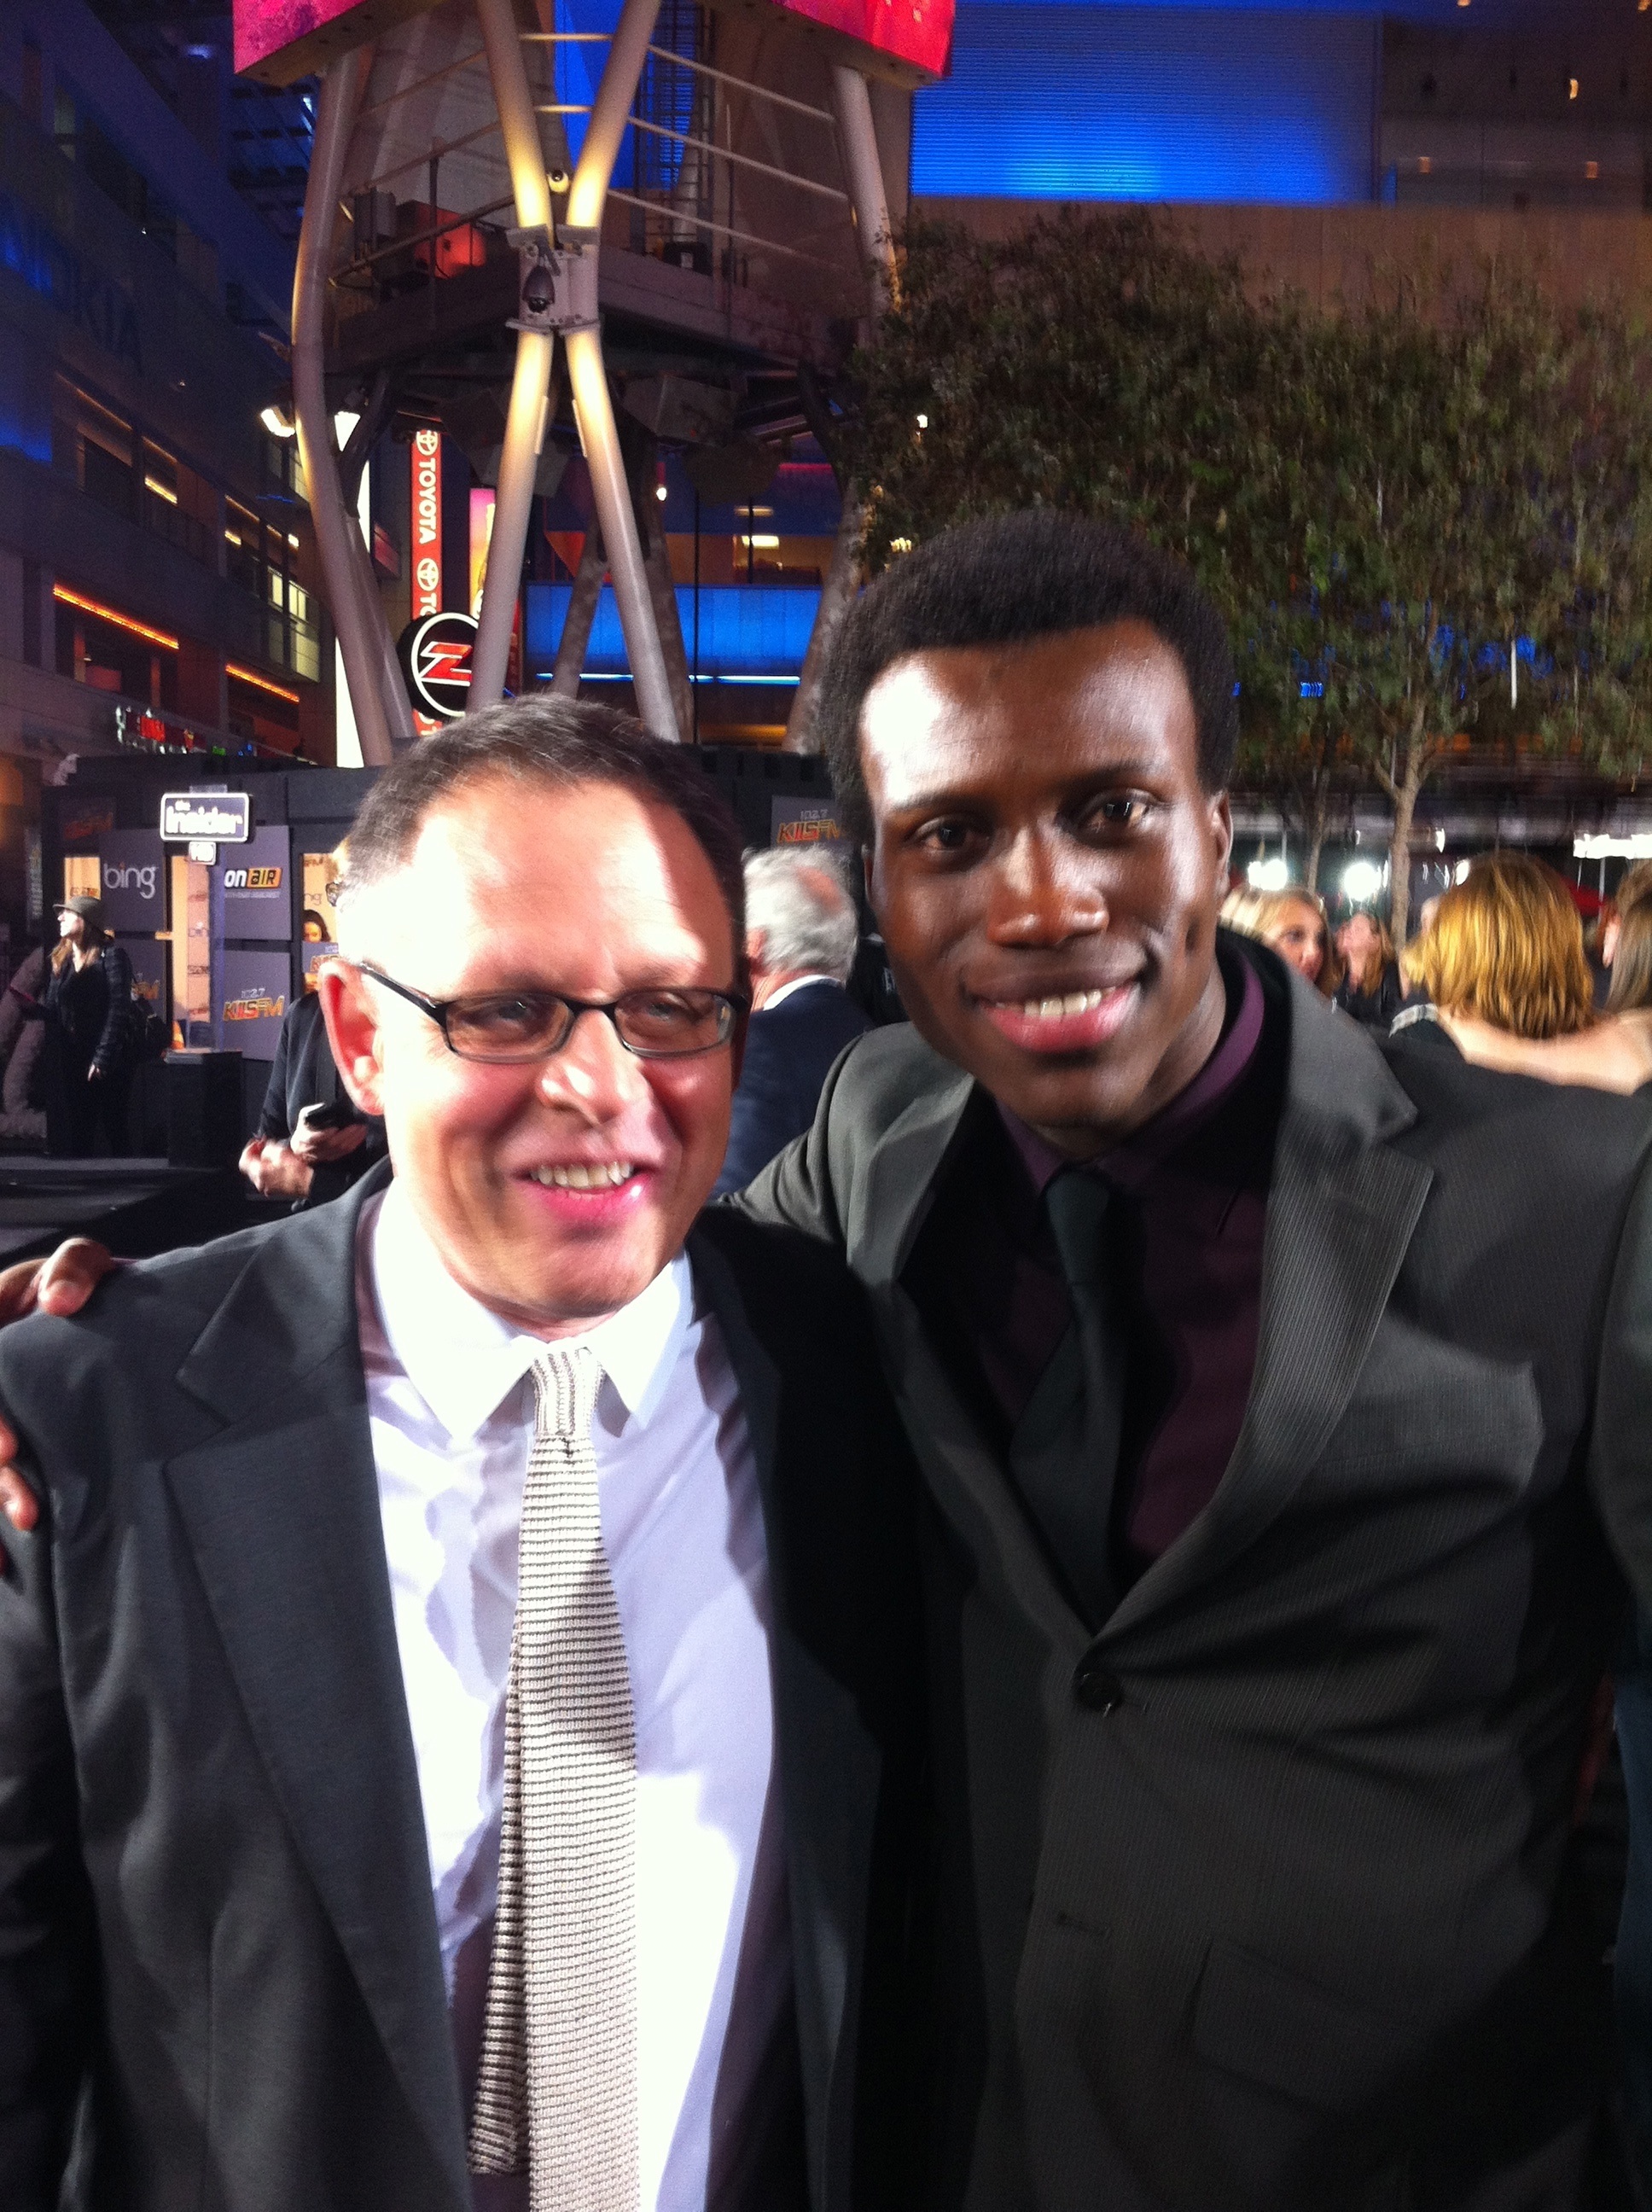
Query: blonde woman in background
point(1612, 1052)
point(1292, 923)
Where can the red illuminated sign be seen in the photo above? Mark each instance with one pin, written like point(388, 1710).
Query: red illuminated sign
point(427, 522)
point(426, 507)
point(910, 41)
point(277, 40)
point(918, 32)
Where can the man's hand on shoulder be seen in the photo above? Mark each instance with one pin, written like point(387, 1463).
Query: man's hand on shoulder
point(17, 1500)
point(60, 1284)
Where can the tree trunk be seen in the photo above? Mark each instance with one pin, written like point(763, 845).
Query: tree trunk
point(837, 596)
point(1315, 818)
point(1404, 813)
point(581, 613)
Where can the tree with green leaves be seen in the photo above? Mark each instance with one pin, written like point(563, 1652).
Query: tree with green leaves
point(1382, 500)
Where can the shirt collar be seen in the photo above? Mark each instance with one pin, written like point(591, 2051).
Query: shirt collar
point(464, 1361)
point(797, 983)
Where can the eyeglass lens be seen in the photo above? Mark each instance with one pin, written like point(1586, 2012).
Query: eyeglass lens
point(527, 1025)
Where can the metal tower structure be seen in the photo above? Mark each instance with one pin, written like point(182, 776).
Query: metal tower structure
point(469, 107)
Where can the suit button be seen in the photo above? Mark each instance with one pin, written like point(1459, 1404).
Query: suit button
point(1097, 1686)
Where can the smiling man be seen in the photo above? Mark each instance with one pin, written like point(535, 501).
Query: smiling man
point(1281, 1400)
point(458, 1706)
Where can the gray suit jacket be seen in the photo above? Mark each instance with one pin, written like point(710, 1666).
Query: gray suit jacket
point(1263, 1897)
point(218, 1946)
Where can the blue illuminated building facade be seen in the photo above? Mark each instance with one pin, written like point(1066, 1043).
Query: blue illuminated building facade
point(1075, 102)
point(736, 635)
point(1522, 103)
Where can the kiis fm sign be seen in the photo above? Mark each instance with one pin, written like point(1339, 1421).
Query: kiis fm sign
point(256, 1006)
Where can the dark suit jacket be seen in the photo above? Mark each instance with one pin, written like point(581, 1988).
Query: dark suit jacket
point(215, 1914)
point(304, 1073)
point(789, 1051)
point(1262, 1898)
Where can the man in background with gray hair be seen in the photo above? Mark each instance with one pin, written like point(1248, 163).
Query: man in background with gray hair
point(801, 929)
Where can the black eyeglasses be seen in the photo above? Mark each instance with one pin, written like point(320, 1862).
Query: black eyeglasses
point(666, 1023)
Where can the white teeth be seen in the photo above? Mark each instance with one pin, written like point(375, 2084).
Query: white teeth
point(1049, 1010)
point(604, 1175)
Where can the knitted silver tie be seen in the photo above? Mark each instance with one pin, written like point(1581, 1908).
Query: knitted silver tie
point(557, 2093)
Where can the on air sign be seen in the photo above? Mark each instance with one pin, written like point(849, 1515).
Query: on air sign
point(435, 656)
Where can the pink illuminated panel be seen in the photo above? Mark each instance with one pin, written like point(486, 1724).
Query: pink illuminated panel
point(263, 27)
point(918, 32)
point(278, 40)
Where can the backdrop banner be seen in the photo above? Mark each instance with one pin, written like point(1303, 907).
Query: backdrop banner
point(252, 991)
point(132, 864)
point(257, 898)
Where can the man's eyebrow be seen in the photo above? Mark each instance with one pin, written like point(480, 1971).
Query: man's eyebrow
point(1098, 778)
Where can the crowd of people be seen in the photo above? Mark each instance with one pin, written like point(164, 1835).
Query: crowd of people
point(1502, 963)
point(1049, 1651)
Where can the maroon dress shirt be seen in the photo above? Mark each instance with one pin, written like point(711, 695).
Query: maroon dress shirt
point(1188, 1212)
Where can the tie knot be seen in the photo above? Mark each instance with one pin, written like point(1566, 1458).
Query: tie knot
point(566, 1380)
point(1077, 1202)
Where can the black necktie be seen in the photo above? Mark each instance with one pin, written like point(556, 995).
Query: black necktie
point(1065, 1451)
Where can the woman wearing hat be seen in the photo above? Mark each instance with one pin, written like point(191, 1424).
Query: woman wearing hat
point(89, 1007)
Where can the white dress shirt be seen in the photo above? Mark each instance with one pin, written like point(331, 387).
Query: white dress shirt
point(796, 983)
point(451, 1413)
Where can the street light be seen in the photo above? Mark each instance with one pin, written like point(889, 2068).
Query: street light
point(278, 423)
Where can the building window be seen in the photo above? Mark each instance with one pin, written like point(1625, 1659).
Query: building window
point(111, 651)
point(92, 447)
point(178, 505)
point(81, 141)
point(264, 711)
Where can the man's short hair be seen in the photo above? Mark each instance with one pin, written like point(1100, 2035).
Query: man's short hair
point(1009, 579)
point(560, 742)
point(802, 905)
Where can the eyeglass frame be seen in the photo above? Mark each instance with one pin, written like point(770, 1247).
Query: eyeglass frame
point(438, 1011)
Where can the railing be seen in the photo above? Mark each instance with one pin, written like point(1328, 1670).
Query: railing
point(703, 199)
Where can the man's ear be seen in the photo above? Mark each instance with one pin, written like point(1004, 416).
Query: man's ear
point(352, 1031)
point(1221, 836)
point(755, 946)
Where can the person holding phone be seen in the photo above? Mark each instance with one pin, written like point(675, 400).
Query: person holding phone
point(312, 1143)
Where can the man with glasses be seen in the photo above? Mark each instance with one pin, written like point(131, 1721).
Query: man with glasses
point(456, 1734)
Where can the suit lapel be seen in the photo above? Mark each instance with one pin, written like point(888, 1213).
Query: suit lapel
point(971, 1482)
point(1341, 1212)
point(819, 1727)
point(902, 1174)
point(282, 1512)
